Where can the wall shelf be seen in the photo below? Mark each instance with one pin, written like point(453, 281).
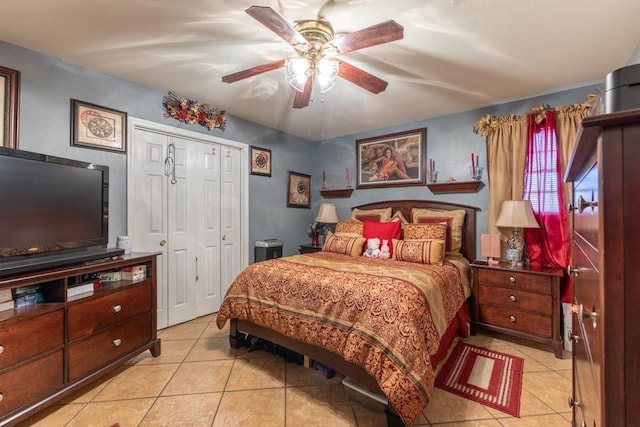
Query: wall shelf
point(456, 187)
point(338, 193)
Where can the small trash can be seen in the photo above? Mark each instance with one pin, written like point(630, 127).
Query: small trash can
point(268, 249)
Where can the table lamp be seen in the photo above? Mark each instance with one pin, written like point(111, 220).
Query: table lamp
point(327, 214)
point(517, 214)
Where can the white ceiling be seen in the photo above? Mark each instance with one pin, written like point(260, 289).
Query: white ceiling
point(456, 55)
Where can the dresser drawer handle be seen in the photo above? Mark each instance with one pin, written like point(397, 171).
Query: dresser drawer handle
point(1, 397)
point(117, 342)
point(116, 309)
point(512, 318)
point(512, 279)
point(1, 349)
point(513, 298)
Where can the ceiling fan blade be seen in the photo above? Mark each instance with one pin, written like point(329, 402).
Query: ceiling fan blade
point(250, 72)
point(302, 99)
point(276, 23)
point(384, 32)
point(360, 77)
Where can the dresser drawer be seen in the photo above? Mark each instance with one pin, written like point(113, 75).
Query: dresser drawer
point(87, 317)
point(515, 320)
point(516, 299)
point(104, 347)
point(514, 279)
point(23, 339)
point(31, 382)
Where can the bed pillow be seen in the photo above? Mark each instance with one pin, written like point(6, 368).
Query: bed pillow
point(429, 251)
point(351, 227)
point(343, 244)
point(436, 230)
point(382, 230)
point(380, 215)
point(454, 231)
point(399, 217)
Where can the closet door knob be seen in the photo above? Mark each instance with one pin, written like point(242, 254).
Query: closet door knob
point(163, 242)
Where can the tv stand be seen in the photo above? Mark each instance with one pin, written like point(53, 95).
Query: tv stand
point(51, 349)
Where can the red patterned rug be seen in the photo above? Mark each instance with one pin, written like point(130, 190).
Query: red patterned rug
point(485, 376)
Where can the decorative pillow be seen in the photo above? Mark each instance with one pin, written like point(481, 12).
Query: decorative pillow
point(437, 230)
point(352, 227)
point(343, 245)
point(454, 231)
point(399, 217)
point(380, 215)
point(382, 230)
point(430, 251)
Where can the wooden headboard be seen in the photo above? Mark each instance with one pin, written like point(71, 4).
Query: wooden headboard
point(405, 206)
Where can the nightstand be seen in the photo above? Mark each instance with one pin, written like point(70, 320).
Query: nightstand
point(309, 248)
point(523, 302)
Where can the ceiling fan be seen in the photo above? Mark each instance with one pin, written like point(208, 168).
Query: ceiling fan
point(313, 41)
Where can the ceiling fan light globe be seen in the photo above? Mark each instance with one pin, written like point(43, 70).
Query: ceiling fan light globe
point(325, 85)
point(298, 83)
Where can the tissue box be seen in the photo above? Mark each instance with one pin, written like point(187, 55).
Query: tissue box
point(135, 273)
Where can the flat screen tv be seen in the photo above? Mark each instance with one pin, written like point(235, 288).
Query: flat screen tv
point(53, 211)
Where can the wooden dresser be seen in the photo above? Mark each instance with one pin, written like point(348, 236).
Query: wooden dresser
point(52, 348)
point(523, 302)
point(605, 171)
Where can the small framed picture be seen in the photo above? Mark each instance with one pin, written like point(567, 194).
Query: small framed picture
point(260, 161)
point(299, 190)
point(93, 126)
point(9, 102)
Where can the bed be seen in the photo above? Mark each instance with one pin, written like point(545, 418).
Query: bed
point(384, 323)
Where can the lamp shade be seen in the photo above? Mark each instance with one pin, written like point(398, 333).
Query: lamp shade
point(516, 214)
point(327, 213)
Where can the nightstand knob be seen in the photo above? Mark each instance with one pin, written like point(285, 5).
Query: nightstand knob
point(512, 279)
point(573, 337)
point(513, 298)
point(512, 318)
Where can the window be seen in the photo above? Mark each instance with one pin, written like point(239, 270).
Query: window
point(541, 179)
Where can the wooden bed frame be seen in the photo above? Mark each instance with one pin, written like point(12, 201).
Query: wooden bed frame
point(331, 359)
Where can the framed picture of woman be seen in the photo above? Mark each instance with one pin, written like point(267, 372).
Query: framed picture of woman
point(391, 160)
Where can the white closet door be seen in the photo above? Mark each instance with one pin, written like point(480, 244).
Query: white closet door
point(196, 223)
point(182, 233)
point(231, 215)
point(147, 205)
point(208, 208)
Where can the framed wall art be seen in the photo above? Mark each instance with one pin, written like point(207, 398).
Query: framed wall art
point(9, 91)
point(391, 160)
point(93, 126)
point(260, 161)
point(299, 190)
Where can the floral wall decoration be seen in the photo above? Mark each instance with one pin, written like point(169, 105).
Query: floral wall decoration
point(191, 112)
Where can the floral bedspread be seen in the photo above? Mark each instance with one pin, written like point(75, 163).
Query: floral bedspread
point(386, 316)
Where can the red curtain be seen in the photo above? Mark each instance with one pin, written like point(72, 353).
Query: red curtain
point(549, 245)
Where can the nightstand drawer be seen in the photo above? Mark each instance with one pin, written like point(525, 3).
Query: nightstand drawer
point(515, 299)
point(515, 279)
point(515, 320)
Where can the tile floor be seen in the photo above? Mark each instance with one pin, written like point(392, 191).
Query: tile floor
point(199, 381)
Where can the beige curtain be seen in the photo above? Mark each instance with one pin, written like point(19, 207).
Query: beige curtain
point(568, 121)
point(506, 139)
point(506, 153)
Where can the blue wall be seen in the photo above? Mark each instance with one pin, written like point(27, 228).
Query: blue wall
point(450, 142)
point(48, 84)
